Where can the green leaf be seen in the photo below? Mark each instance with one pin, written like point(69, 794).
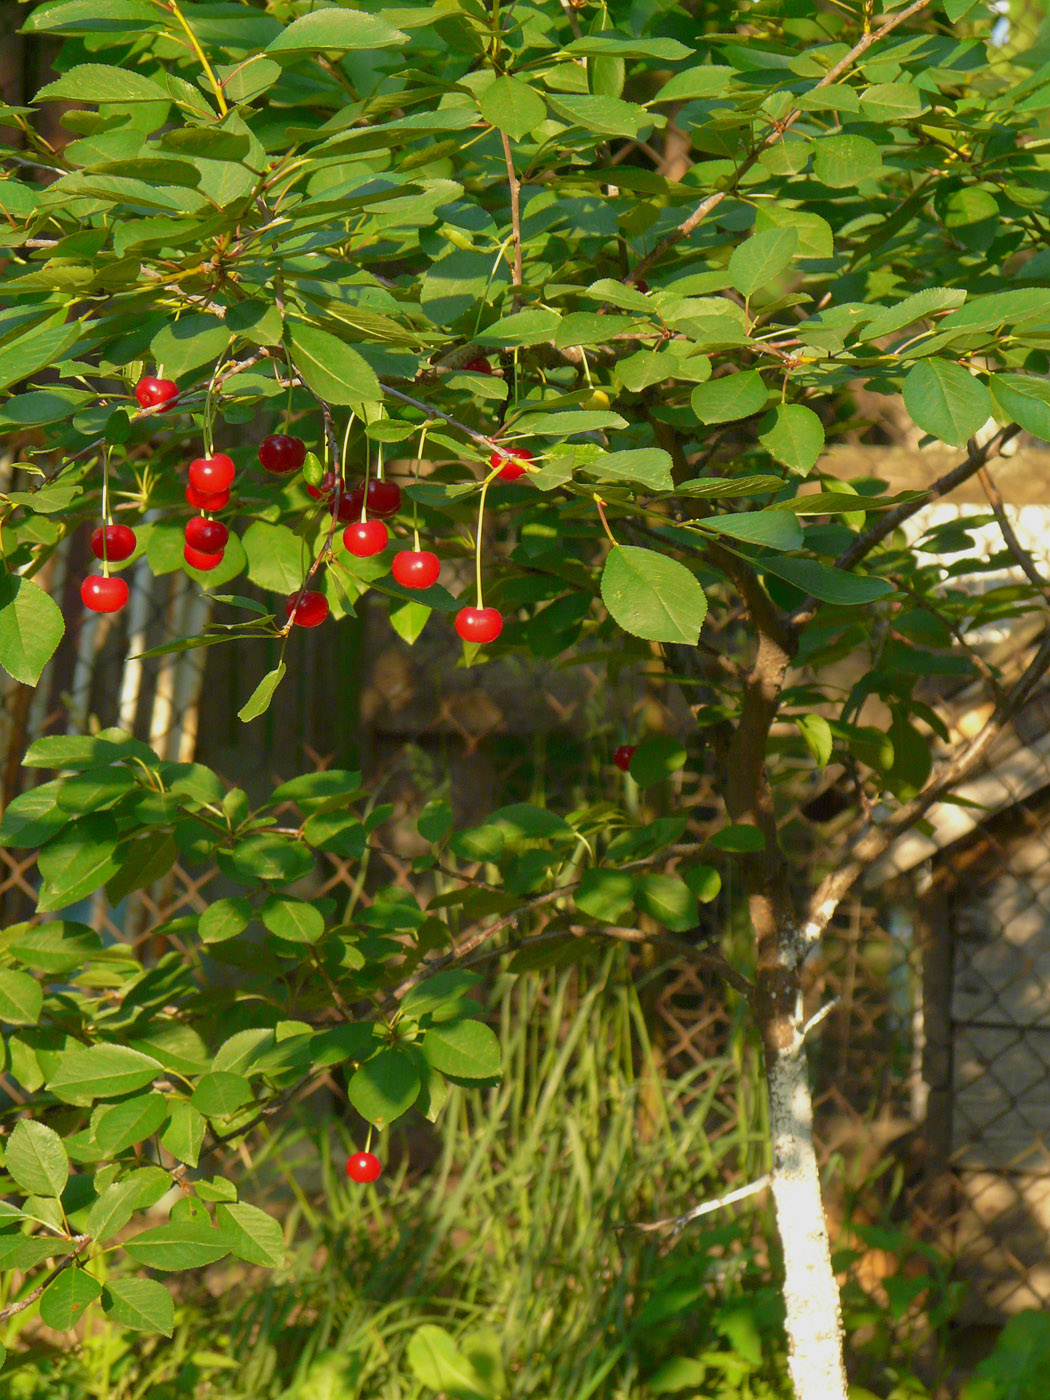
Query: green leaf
point(815, 239)
point(465, 1049)
point(946, 400)
point(740, 839)
point(31, 627)
point(223, 919)
point(440, 990)
point(140, 1303)
point(531, 327)
point(1022, 399)
point(669, 900)
point(34, 817)
point(335, 29)
point(817, 733)
point(181, 1244)
point(78, 863)
point(91, 17)
point(590, 328)
point(762, 527)
point(113, 1209)
point(36, 350)
point(292, 919)
point(794, 435)
point(607, 895)
point(67, 1297)
point(730, 397)
point(189, 343)
point(656, 758)
point(828, 584)
point(220, 1094)
point(253, 1235)
point(336, 372)
point(652, 596)
point(512, 106)
point(259, 701)
point(891, 102)
point(21, 998)
point(599, 116)
point(100, 82)
point(384, 1087)
point(710, 80)
point(438, 1363)
point(266, 857)
point(184, 1135)
point(648, 467)
point(843, 162)
point(58, 946)
point(914, 308)
point(629, 46)
point(760, 260)
point(130, 1122)
point(36, 1158)
point(102, 1072)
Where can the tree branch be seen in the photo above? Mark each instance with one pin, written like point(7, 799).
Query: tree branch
point(514, 185)
point(1021, 556)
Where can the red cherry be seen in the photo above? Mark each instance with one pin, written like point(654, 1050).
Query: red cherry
point(197, 560)
point(363, 1167)
point(119, 542)
point(642, 285)
point(366, 537)
point(212, 474)
point(347, 511)
point(416, 568)
point(103, 595)
point(479, 624)
point(623, 755)
point(282, 454)
point(207, 536)
point(150, 391)
point(207, 500)
point(513, 466)
point(479, 365)
point(384, 498)
point(307, 609)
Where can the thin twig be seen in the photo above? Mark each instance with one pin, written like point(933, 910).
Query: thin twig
point(676, 1223)
point(781, 129)
point(514, 185)
point(1021, 556)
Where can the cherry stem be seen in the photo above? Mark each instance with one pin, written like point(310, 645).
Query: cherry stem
point(477, 542)
point(340, 481)
point(105, 512)
point(415, 504)
point(209, 410)
point(368, 1141)
point(605, 524)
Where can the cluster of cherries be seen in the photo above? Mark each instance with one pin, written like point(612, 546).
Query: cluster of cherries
point(364, 509)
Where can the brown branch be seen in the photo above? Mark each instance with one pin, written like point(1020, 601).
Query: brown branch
point(1021, 556)
point(877, 839)
point(514, 185)
point(712, 201)
point(79, 1241)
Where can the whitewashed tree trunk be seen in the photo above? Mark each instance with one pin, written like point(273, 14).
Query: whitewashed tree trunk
point(811, 1295)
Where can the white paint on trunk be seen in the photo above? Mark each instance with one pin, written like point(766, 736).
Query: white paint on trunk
point(811, 1295)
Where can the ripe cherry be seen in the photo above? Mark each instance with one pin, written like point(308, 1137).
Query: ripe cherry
point(363, 1167)
point(282, 454)
point(103, 595)
point(150, 391)
point(384, 498)
point(416, 568)
point(212, 474)
point(207, 536)
point(114, 542)
point(198, 560)
point(623, 755)
point(207, 500)
point(307, 609)
point(347, 511)
point(479, 365)
point(479, 624)
point(366, 537)
point(515, 465)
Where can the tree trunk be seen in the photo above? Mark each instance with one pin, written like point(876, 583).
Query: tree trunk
point(811, 1295)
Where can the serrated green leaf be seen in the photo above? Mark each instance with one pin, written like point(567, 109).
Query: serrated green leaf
point(292, 919)
point(101, 82)
point(102, 1072)
point(67, 1297)
point(254, 1236)
point(946, 400)
point(31, 627)
point(437, 1362)
point(384, 1087)
point(259, 701)
point(465, 1049)
point(36, 1158)
point(21, 998)
point(223, 919)
point(219, 1094)
point(652, 596)
point(336, 372)
point(512, 106)
point(182, 1244)
point(760, 260)
point(140, 1303)
point(337, 30)
point(794, 435)
point(730, 397)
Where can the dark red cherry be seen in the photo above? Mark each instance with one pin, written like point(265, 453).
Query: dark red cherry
point(207, 500)
point(384, 498)
point(366, 537)
point(150, 391)
point(282, 454)
point(207, 536)
point(103, 595)
point(479, 624)
point(622, 757)
point(515, 465)
point(364, 1167)
point(416, 568)
point(347, 512)
point(307, 609)
point(479, 365)
point(113, 542)
point(212, 474)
